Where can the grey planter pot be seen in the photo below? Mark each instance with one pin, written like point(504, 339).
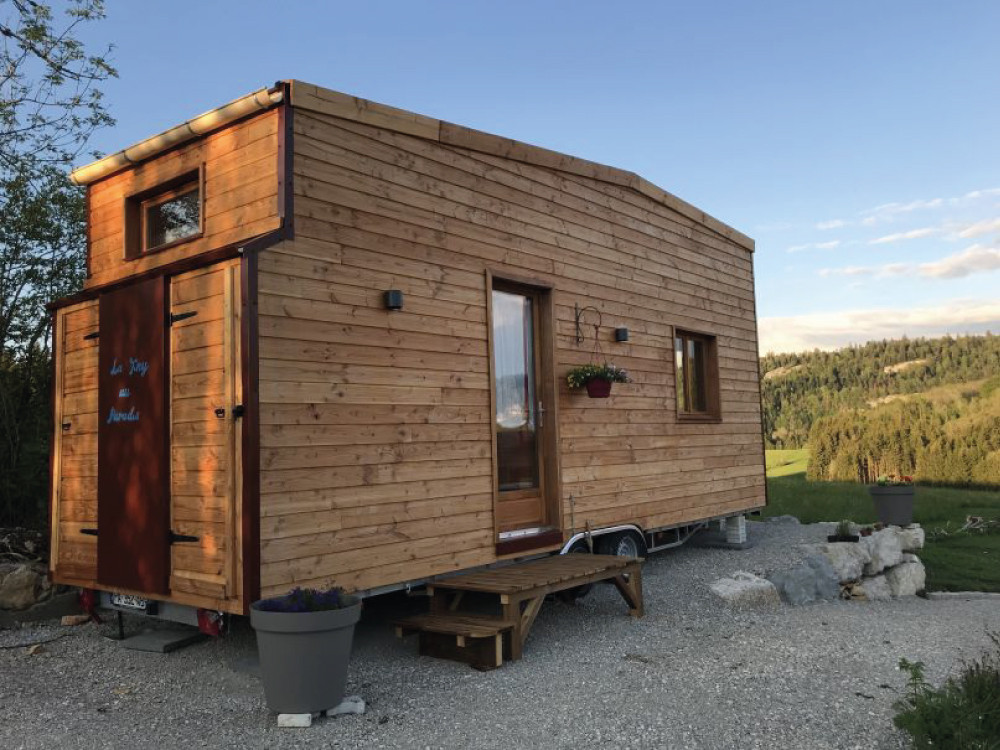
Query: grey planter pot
point(893, 505)
point(304, 656)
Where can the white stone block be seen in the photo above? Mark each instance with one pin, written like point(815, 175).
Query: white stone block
point(906, 579)
point(911, 538)
point(352, 704)
point(847, 558)
point(744, 590)
point(295, 721)
point(876, 589)
point(885, 551)
point(736, 530)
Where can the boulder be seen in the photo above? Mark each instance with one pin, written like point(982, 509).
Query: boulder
point(745, 590)
point(848, 559)
point(911, 538)
point(884, 549)
point(906, 579)
point(20, 587)
point(811, 580)
point(875, 589)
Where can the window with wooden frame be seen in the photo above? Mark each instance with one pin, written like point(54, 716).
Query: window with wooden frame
point(165, 215)
point(696, 367)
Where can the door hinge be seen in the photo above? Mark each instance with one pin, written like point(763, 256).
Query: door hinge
point(175, 537)
point(89, 532)
point(174, 317)
point(239, 411)
point(94, 335)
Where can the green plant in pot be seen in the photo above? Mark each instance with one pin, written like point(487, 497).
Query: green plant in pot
point(304, 642)
point(843, 533)
point(893, 497)
point(597, 379)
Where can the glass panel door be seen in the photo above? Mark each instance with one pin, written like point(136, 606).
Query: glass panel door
point(516, 418)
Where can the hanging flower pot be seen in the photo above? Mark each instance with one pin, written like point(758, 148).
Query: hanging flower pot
point(597, 379)
point(598, 388)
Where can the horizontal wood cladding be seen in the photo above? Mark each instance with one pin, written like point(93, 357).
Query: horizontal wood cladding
point(375, 425)
point(240, 201)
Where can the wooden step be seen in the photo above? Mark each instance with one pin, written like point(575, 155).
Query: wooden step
point(452, 623)
point(472, 639)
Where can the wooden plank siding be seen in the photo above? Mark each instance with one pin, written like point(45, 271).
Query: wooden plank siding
point(240, 198)
point(74, 505)
point(376, 462)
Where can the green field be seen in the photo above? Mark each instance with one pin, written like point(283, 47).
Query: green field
point(966, 562)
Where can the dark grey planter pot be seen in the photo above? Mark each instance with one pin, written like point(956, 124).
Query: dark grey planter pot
point(304, 656)
point(893, 505)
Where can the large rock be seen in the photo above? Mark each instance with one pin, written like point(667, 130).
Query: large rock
point(884, 549)
point(21, 586)
point(906, 579)
point(874, 589)
point(811, 580)
point(911, 538)
point(745, 590)
point(848, 559)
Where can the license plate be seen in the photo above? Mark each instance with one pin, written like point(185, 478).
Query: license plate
point(129, 601)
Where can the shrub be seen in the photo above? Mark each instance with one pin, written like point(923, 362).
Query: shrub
point(305, 600)
point(964, 713)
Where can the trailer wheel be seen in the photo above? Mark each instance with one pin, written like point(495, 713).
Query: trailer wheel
point(622, 544)
point(580, 547)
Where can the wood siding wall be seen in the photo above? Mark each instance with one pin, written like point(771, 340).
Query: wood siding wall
point(375, 426)
point(74, 486)
point(240, 200)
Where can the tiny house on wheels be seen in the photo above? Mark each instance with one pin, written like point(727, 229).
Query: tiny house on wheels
point(325, 341)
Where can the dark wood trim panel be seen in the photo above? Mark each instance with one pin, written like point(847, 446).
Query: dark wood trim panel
point(86, 219)
point(528, 543)
point(249, 367)
point(286, 162)
point(54, 361)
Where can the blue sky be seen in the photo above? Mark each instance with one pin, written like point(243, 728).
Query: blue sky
point(856, 142)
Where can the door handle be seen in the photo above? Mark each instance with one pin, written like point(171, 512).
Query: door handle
point(541, 414)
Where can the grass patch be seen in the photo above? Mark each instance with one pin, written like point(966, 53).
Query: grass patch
point(782, 463)
point(964, 562)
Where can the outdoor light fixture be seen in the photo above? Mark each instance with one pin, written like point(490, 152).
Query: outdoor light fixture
point(621, 334)
point(394, 300)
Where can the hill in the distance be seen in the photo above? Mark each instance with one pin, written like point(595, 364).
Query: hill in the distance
point(798, 389)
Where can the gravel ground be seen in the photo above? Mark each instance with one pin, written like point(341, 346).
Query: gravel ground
point(691, 674)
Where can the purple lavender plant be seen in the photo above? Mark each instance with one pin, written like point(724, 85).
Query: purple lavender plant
point(305, 600)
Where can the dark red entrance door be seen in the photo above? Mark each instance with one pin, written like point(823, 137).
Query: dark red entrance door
point(133, 509)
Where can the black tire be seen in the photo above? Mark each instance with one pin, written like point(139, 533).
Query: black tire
point(570, 596)
point(622, 544)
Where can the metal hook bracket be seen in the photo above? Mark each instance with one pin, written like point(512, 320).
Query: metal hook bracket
point(578, 315)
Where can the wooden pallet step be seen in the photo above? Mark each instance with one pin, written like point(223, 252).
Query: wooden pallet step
point(469, 626)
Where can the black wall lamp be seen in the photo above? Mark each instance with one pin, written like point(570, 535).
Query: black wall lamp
point(621, 334)
point(393, 299)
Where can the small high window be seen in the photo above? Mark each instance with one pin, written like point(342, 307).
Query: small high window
point(163, 216)
point(697, 374)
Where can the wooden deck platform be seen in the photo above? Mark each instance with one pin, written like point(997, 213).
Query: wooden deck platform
point(449, 632)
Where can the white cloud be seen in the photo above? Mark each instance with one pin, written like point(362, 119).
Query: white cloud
point(888, 210)
point(832, 224)
point(980, 228)
point(836, 329)
point(814, 246)
point(888, 269)
point(913, 234)
point(975, 259)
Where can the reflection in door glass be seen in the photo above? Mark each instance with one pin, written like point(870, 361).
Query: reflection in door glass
point(514, 371)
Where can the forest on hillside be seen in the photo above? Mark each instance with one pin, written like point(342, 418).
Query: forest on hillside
point(799, 389)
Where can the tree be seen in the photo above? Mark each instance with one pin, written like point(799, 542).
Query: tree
point(50, 105)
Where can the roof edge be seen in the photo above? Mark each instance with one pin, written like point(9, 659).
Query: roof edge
point(214, 119)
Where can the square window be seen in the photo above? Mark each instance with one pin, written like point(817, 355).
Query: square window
point(166, 215)
point(696, 371)
point(172, 217)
